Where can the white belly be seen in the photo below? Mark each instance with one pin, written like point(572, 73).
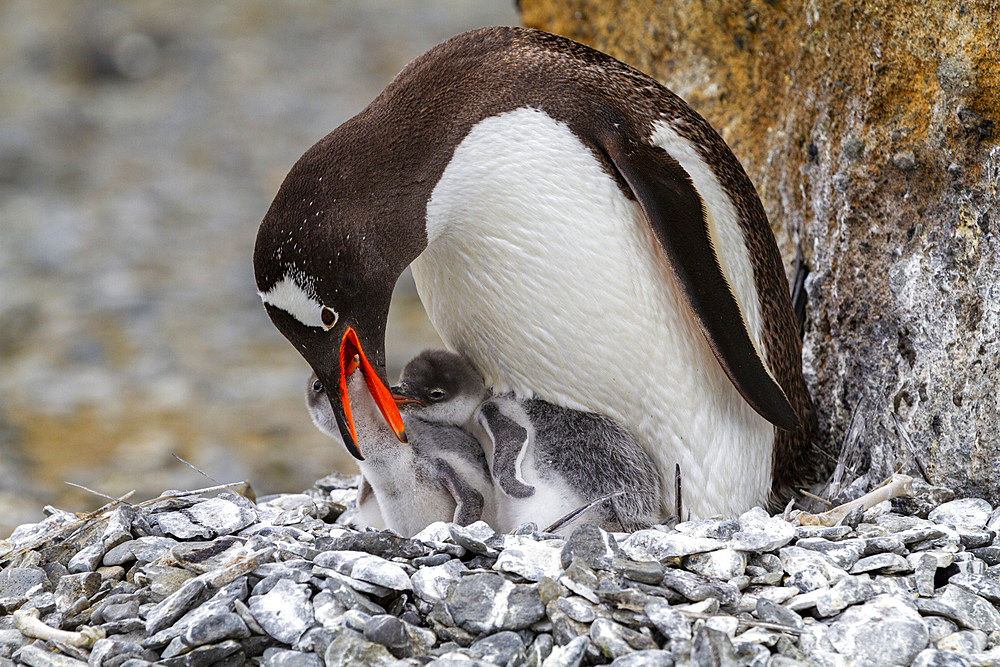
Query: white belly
point(550, 281)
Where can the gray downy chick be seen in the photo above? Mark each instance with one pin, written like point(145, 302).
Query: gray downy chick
point(546, 461)
point(440, 474)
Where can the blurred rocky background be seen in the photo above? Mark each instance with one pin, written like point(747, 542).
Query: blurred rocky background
point(140, 145)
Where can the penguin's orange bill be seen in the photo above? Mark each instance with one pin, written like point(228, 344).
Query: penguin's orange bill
point(352, 357)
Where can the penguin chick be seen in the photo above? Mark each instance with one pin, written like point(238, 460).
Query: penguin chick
point(440, 474)
point(545, 460)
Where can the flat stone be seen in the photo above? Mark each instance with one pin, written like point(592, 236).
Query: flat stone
point(776, 613)
point(883, 631)
point(280, 657)
point(669, 621)
point(848, 591)
point(365, 567)
point(843, 554)
point(939, 627)
point(570, 655)
point(74, 587)
point(22, 582)
point(712, 647)
point(964, 641)
point(532, 560)
point(485, 603)
point(962, 606)
point(934, 658)
point(87, 559)
point(978, 584)
point(646, 572)
point(888, 563)
point(593, 546)
point(577, 608)
point(502, 648)
point(143, 549)
point(760, 532)
point(35, 656)
point(724, 564)
point(658, 545)
point(882, 544)
point(967, 512)
point(284, 612)
point(432, 583)
point(474, 537)
point(614, 640)
point(171, 608)
point(797, 559)
point(402, 639)
point(695, 587)
point(645, 658)
point(216, 628)
point(826, 532)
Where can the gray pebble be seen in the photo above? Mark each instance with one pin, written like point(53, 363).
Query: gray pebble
point(938, 627)
point(592, 545)
point(776, 613)
point(843, 554)
point(668, 620)
point(888, 563)
point(659, 545)
point(712, 647)
point(281, 657)
point(216, 628)
point(724, 564)
point(884, 630)
point(962, 606)
point(190, 594)
point(530, 559)
point(486, 603)
point(22, 582)
point(934, 658)
point(978, 584)
point(366, 568)
point(645, 658)
point(964, 641)
point(36, 656)
point(284, 612)
point(502, 648)
point(75, 587)
point(349, 648)
point(570, 655)
point(695, 587)
point(474, 537)
point(87, 559)
point(848, 591)
point(967, 512)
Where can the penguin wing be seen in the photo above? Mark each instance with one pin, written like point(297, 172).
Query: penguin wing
point(469, 503)
point(676, 213)
point(509, 440)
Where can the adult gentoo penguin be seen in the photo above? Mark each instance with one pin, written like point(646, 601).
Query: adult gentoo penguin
point(577, 232)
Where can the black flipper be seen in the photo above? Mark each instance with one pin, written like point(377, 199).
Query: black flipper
point(468, 502)
point(676, 214)
point(509, 438)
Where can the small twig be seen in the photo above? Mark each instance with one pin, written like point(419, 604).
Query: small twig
point(894, 487)
point(678, 497)
point(580, 510)
point(813, 496)
point(30, 625)
point(185, 494)
point(909, 445)
point(750, 622)
point(196, 469)
point(119, 501)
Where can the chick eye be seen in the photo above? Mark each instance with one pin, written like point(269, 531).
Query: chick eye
point(436, 394)
point(318, 387)
point(328, 316)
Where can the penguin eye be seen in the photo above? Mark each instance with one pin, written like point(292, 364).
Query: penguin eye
point(436, 394)
point(328, 316)
point(317, 387)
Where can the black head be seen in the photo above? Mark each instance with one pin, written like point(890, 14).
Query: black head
point(445, 386)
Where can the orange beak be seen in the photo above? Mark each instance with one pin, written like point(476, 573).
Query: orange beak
point(353, 357)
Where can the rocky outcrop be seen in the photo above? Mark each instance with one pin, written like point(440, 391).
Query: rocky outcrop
point(869, 131)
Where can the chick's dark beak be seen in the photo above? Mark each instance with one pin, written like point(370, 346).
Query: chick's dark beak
point(402, 395)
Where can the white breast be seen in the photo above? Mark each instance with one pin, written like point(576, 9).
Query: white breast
point(550, 281)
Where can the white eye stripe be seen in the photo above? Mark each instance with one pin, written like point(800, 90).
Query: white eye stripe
point(289, 296)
